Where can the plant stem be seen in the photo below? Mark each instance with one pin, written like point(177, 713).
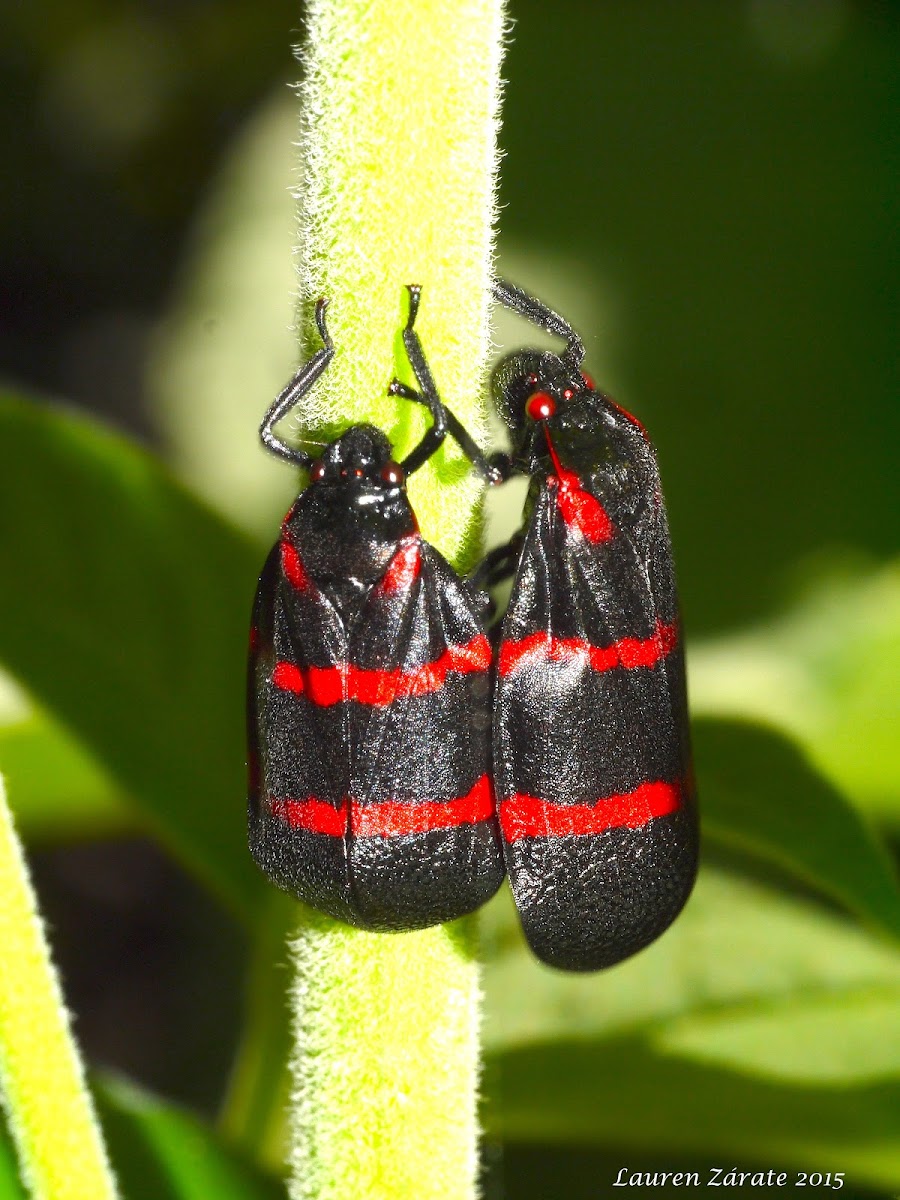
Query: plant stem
point(386, 1065)
point(400, 103)
point(51, 1114)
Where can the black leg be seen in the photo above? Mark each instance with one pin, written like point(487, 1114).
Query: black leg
point(498, 564)
point(534, 310)
point(495, 468)
point(295, 390)
point(429, 394)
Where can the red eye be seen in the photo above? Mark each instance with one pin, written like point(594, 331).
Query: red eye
point(391, 473)
point(568, 394)
point(358, 473)
point(589, 381)
point(317, 471)
point(532, 380)
point(540, 406)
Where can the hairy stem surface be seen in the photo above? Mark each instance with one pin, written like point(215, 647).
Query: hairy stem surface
point(400, 103)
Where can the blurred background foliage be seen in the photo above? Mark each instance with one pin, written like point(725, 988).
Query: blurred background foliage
point(708, 190)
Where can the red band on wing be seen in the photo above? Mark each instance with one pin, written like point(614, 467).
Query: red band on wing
point(314, 815)
point(293, 568)
point(529, 816)
point(627, 652)
point(580, 510)
point(403, 567)
point(391, 818)
point(332, 685)
point(288, 678)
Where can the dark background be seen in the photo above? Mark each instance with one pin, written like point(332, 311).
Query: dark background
point(724, 171)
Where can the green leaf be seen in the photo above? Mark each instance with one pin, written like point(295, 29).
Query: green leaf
point(161, 1152)
point(738, 947)
point(826, 1039)
point(759, 1026)
point(758, 792)
point(526, 1171)
point(826, 673)
point(129, 621)
point(628, 1091)
point(59, 789)
point(226, 341)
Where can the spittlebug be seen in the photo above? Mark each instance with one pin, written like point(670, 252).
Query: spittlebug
point(592, 760)
point(369, 689)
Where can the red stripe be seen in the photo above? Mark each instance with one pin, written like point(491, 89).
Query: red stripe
point(314, 815)
point(580, 510)
point(288, 678)
point(332, 685)
point(391, 818)
point(529, 816)
point(293, 568)
point(403, 568)
point(627, 652)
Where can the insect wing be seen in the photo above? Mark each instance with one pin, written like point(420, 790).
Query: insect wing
point(299, 770)
point(372, 797)
point(424, 841)
point(592, 757)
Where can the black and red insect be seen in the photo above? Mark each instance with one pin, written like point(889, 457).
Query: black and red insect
point(592, 759)
point(371, 795)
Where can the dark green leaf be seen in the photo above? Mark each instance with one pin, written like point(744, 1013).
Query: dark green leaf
point(759, 1027)
point(128, 619)
point(746, 977)
point(825, 672)
point(759, 792)
point(60, 790)
point(528, 1171)
point(626, 1091)
point(161, 1152)
point(239, 266)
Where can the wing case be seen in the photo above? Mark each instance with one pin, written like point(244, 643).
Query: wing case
point(592, 756)
point(371, 793)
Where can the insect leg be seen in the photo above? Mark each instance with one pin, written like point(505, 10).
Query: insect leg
point(534, 310)
point(495, 468)
point(429, 394)
point(297, 388)
point(498, 564)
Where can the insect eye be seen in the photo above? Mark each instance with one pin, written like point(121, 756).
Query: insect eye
point(391, 473)
point(317, 471)
point(568, 394)
point(540, 406)
point(589, 381)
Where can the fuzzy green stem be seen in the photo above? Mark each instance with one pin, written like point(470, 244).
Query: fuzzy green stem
point(400, 103)
point(50, 1111)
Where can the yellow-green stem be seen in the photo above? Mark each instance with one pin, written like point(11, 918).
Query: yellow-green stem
point(50, 1111)
point(400, 104)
